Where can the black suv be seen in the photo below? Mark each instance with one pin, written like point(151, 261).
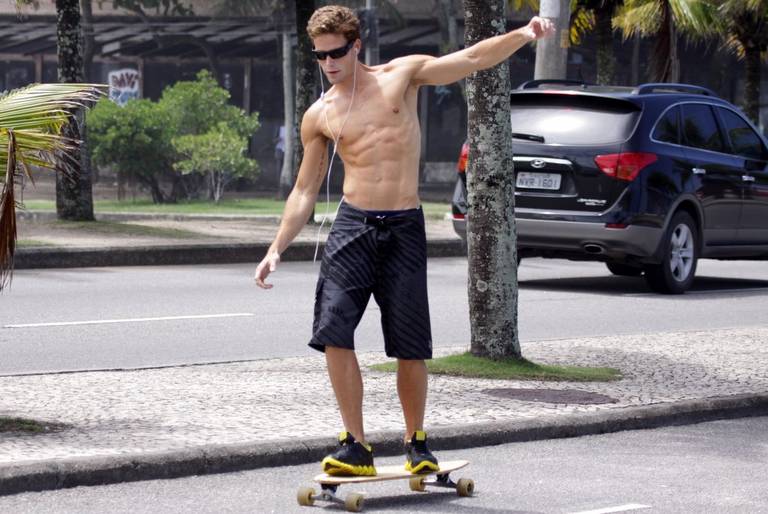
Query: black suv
point(647, 179)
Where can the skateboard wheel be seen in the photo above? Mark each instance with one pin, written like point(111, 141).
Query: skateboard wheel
point(354, 502)
point(465, 487)
point(306, 496)
point(417, 484)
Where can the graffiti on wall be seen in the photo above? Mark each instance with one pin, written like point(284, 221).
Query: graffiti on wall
point(124, 85)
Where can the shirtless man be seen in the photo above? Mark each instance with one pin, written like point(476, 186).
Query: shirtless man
point(377, 243)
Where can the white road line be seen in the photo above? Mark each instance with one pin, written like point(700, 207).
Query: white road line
point(619, 508)
point(131, 320)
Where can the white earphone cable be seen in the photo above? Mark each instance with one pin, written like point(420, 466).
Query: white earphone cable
point(336, 138)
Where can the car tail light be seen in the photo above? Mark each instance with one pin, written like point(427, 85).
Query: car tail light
point(459, 216)
point(463, 158)
point(624, 166)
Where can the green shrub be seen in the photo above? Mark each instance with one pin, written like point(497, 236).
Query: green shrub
point(150, 140)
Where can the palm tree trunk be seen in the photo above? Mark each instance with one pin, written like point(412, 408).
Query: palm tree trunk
point(491, 192)
point(604, 35)
point(74, 196)
point(752, 84)
point(666, 66)
point(306, 74)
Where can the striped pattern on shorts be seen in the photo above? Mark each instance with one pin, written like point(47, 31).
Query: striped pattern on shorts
point(379, 253)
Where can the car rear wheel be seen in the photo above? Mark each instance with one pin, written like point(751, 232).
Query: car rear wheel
point(675, 273)
point(623, 270)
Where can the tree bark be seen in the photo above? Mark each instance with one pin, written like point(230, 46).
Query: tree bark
point(490, 183)
point(306, 77)
point(604, 35)
point(665, 62)
point(86, 8)
point(74, 191)
point(306, 69)
point(752, 82)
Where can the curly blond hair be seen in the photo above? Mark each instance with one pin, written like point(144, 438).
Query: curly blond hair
point(334, 19)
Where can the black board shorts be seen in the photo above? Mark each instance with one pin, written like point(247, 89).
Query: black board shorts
point(383, 253)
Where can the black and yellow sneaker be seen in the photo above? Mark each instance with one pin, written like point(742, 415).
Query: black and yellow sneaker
point(352, 459)
point(419, 458)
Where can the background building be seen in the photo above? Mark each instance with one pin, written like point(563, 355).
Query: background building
point(139, 55)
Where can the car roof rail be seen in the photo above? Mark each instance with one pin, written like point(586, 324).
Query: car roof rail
point(663, 87)
point(533, 84)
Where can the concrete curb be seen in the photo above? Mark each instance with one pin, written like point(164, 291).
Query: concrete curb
point(39, 216)
point(48, 475)
point(35, 258)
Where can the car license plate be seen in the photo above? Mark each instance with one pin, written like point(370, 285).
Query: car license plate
point(526, 180)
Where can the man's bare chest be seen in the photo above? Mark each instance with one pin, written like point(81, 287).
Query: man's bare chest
point(373, 112)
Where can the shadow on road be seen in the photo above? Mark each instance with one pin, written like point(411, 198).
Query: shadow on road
point(433, 501)
point(709, 286)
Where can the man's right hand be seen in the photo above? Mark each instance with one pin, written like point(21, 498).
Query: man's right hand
point(267, 265)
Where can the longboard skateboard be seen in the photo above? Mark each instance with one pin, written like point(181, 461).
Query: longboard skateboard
point(353, 502)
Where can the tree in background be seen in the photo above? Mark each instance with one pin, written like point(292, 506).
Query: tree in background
point(136, 139)
point(743, 27)
point(74, 192)
point(218, 154)
point(491, 192)
point(664, 20)
point(598, 15)
point(32, 120)
point(139, 138)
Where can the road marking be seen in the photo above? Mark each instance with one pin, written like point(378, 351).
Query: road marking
point(130, 320)
point(619, 508)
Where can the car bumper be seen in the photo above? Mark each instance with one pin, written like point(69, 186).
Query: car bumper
point(573, 237)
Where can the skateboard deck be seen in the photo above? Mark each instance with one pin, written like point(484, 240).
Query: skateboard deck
point(353, 502)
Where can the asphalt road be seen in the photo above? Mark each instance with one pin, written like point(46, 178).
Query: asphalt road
point(710, 467)
point(108, 318)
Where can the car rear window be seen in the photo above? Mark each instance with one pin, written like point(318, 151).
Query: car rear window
point(569, 119)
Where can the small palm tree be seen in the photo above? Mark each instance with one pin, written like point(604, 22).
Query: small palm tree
point(31, 120)
point(664, 20)
point(743, 27)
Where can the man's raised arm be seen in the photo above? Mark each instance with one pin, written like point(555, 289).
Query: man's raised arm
point(301, 201)
point(484, 54)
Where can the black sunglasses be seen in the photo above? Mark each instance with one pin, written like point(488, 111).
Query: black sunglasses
point(336, 53)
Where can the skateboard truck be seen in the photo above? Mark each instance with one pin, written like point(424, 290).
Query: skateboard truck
point(353, 502)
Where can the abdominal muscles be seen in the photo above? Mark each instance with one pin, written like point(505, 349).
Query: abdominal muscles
point(381, 163)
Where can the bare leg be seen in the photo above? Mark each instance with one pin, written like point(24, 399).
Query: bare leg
point(347, 383)
point(412, 389)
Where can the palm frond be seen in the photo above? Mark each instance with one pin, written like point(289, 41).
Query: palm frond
point(638, 17)
point(582, 22)
point(8, 215)
point(697, 18)
point(31, 121)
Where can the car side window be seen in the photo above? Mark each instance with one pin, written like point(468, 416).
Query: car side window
point(700, 128)
point(743, 139)
point(666, 129)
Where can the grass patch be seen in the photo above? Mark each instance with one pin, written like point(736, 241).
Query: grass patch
point(467, 365)
point(31, 243)
point(126, 229)
point(270, 206)
point(21, 425)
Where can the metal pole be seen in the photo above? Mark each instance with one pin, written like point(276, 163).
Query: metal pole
point(372, 48)
point(552, 53)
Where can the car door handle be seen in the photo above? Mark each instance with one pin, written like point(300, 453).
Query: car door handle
point(699, 171)
point(747, 178)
